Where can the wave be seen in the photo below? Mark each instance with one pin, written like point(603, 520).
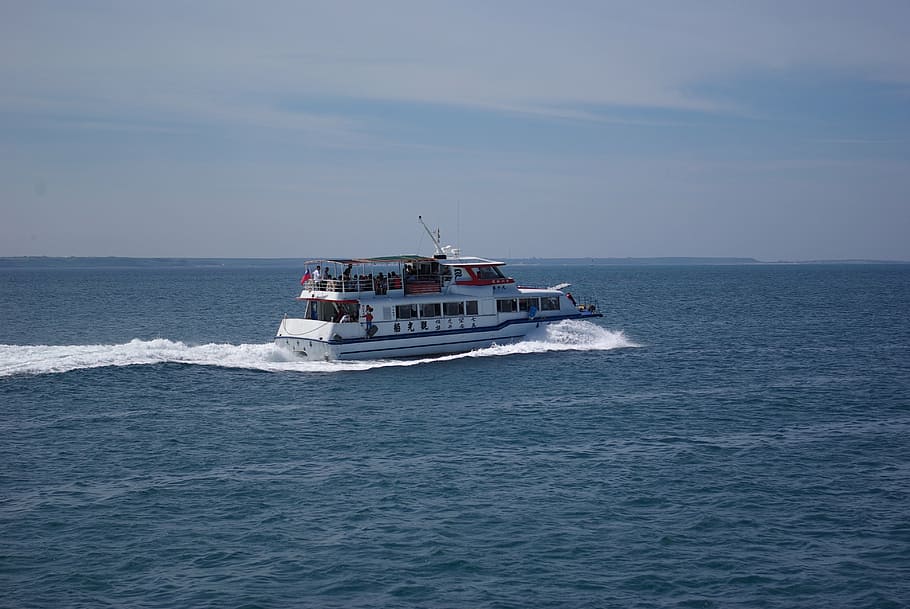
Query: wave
point(33, 360)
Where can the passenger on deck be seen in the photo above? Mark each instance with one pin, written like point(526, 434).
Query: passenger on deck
point(368, 316)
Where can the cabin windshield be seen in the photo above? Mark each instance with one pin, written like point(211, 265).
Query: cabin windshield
point(487, 272)
point(324, 310)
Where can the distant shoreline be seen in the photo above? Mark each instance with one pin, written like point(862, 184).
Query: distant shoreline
point(689, 261)
point(113, 262)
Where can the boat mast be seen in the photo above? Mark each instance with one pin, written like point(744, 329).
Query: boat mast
point(436, 238)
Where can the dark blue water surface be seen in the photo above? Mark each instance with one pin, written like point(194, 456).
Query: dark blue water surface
point(723, 437)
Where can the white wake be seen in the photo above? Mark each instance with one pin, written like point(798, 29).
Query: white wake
point(50, 359)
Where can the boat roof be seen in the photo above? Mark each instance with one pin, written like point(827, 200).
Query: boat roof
point(469, 261)
point(461, 261)
point(374, 260)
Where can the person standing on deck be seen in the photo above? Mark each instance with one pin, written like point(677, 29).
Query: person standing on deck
point(369, 319)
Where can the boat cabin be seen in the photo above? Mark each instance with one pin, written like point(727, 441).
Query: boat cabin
point(477, 271)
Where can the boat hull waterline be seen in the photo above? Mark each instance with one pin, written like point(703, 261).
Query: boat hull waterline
point(426, 344)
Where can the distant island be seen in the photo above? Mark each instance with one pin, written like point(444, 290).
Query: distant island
point(118, 262)
point(659, 261)
point(687, 261)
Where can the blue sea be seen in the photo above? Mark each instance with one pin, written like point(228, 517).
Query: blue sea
point(725, 436)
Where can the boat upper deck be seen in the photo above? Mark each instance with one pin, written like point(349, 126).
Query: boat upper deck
point(399, 275)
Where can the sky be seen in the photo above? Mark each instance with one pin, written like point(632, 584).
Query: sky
point(765, 129)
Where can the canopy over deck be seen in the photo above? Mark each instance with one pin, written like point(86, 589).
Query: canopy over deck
point(377, 260)
point(406, 258)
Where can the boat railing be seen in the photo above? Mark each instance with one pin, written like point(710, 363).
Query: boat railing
point(340, 285)
point(412, 284)
point(356, 285)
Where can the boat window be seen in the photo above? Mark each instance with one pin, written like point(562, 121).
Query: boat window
point(326, 310)
point(549, 303)
point(470, 307)
point(406, 311)
point(506, 305)
point(453, 309)
point(311, 310)
point(488, 272)
point(347, 311)
point(525, 304)
point(430, 309)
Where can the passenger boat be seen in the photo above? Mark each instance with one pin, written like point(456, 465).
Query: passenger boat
point(406, 306)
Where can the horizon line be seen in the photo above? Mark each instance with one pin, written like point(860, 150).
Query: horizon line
point(610, 259)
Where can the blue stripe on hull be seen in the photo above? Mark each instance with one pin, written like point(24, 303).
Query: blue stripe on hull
point(381, 344)
point(434, 348)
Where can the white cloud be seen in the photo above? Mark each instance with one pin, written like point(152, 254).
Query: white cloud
point(500, 55)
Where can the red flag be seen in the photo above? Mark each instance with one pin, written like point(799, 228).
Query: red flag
point(306, 277)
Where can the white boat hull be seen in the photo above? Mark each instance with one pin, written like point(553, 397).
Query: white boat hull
point(332, 341)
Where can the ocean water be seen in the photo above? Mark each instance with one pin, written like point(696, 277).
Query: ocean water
point(723, 437)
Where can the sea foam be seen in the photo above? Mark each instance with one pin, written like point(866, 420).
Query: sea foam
point(53, 359)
